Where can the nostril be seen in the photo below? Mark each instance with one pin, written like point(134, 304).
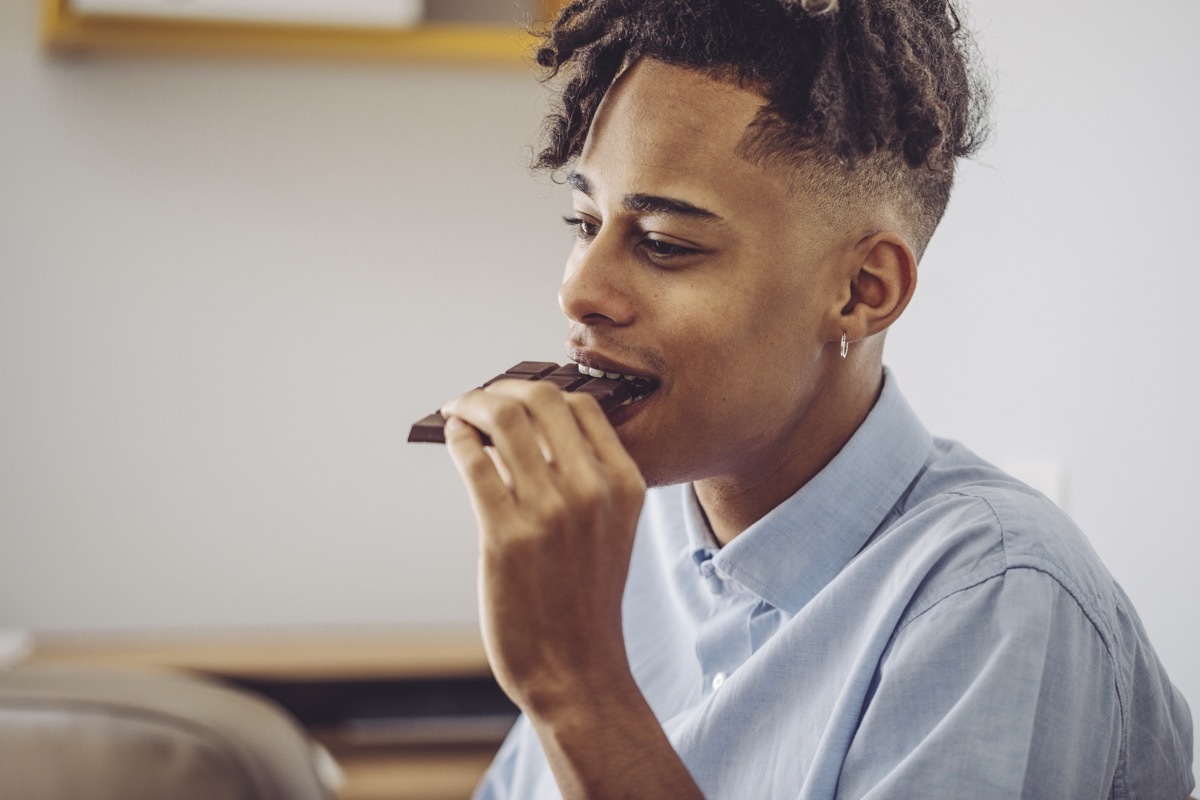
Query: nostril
point(596, 319)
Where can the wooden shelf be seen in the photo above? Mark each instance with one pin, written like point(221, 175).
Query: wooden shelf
point(66, 31)
point(359, 654)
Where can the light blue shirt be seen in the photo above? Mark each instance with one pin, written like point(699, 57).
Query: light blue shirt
point(912, 623)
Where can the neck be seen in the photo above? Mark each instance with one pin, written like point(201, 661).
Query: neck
point(734, 502)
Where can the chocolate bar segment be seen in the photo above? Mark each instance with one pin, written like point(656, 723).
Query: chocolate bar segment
point(532, 369)
point(568, 383)
point(526, 370)
point(609, 392)
point(429, 429)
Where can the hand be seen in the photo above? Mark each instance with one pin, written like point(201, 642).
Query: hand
point(556, 500)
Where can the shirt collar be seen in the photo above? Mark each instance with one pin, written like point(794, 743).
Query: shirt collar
point(789, 555)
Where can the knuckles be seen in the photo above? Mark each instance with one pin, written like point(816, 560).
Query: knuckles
point(583, 402)
point(508, 403)
point(477, 467)
point(541, 392)
point(615, 491)
point(505, 413)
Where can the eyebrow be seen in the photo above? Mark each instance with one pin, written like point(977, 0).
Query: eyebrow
point(649, 203)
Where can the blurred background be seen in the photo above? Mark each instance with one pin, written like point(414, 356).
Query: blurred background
point(228, 285)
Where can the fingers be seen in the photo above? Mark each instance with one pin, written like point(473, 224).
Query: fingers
point(539, 404)
point(622, 474)
point(485, 485)
point(556, 523)
point(545, 439)
point(553, 420)
point(536, 440)
point(507, 421)
point(600, 433)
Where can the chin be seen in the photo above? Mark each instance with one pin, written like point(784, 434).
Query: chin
point(655, 472)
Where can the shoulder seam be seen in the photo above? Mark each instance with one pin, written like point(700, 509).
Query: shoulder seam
point(1040, 565)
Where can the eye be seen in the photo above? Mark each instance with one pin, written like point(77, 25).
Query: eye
point(659, 249)
point(585, 229)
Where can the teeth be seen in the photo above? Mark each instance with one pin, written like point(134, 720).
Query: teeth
point(599, 373)
point(640, 387)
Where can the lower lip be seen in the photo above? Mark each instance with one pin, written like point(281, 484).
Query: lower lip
point(621, 415)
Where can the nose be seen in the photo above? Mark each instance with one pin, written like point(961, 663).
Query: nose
point(596, 288)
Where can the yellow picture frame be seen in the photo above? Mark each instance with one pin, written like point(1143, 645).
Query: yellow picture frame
point(65, 30)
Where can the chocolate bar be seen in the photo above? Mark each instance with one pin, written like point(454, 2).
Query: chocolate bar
point(611, 393)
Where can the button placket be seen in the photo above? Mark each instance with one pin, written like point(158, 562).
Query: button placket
point(713, 578)
point(722, 643)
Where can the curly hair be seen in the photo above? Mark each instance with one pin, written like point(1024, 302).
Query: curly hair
point(864, 95)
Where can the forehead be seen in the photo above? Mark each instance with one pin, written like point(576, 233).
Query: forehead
point(683, 109)
point(675, 128)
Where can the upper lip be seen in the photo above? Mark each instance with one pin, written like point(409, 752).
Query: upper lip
point(597, 361)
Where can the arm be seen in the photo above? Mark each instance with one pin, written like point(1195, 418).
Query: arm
point(556, 501)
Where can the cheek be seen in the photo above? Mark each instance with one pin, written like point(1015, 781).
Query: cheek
point(788, 316)
point(766, 360)
point(777, 331)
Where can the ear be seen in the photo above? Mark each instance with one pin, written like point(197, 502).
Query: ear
point(879, 281)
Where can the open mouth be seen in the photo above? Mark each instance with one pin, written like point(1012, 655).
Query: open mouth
point(639, 386)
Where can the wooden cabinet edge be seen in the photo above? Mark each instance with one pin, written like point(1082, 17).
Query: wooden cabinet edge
point(248, 655)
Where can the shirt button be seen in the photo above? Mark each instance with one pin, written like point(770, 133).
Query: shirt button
point(718, 680)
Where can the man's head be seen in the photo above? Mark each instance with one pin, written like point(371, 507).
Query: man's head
point(720, 251)
point(866, 98)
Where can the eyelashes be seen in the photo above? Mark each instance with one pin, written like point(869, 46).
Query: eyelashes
point(584, 229)
point(658, 250)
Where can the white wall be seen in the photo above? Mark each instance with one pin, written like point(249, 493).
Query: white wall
point(227, 286)
point(1055, 319)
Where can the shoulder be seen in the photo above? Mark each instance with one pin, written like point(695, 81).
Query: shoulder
point(967, 522)
point(965, 529)
point(986, 546)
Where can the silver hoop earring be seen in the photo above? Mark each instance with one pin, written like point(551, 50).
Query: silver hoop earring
point(845, 346)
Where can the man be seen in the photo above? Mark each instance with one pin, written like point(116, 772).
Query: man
point(819, 599)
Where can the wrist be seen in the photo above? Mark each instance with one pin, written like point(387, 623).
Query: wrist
point(581, 699)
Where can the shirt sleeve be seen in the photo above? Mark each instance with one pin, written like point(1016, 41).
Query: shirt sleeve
point(496, 783)
point(1003, 690)
point(520, 770)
